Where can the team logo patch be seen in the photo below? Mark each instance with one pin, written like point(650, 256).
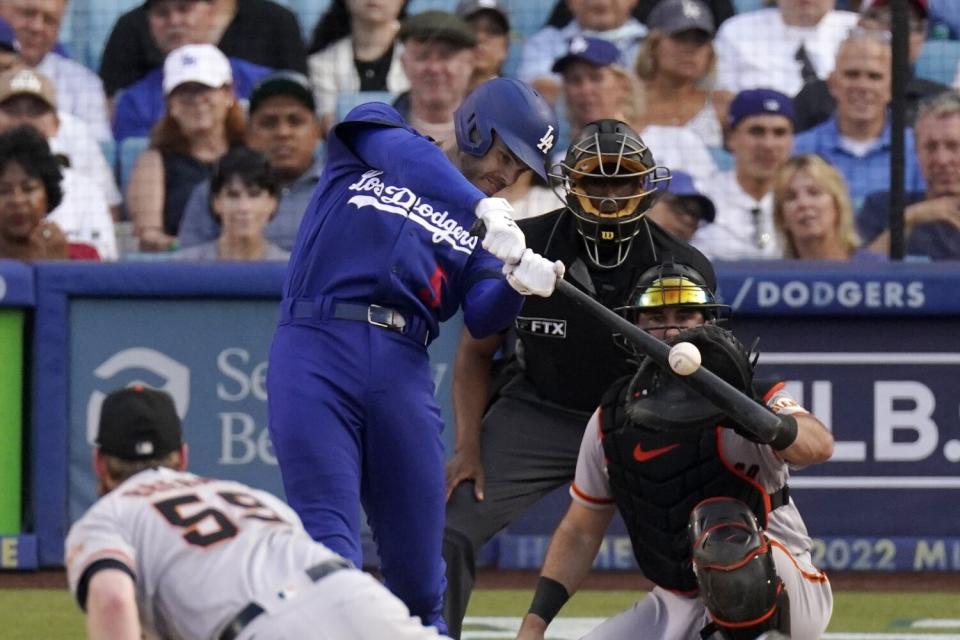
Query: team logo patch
point(543, 327)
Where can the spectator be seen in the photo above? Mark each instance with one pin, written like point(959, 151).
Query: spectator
point(259, 32)
point(682, 209)
point(491, 24)
point(79, 90)
point(595, 86)
point(561, 16)
point(856, 138)
point(365, 56)
point(30, 189)
point(932, 217)
point(676, 64)
point(9, 47)
point(243, 198)
point(142, 104)
point(202, 121)
point(28, 97)
point(812, 212)
point(438, 60)
point(814, 104)
point(284, 127)
point(759, 134)
point(610, 20)
point(781, 47)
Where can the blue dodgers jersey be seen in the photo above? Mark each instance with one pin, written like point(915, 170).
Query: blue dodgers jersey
point(391, 228)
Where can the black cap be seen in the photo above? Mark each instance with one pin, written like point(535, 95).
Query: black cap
point(138, 423)
point(283, 83)
point(676, 16)
point(438, 25)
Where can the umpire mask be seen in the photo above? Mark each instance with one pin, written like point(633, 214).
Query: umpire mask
point(609, 181)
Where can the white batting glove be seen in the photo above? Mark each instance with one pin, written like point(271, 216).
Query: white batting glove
point(534, 275)
point(504, 238)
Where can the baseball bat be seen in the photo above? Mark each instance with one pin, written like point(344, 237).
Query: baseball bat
point(733, 402)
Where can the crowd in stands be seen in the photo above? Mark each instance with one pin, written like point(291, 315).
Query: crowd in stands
point(202, 130)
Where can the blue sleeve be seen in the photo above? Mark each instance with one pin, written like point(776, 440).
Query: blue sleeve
point(872, 219)
point(804, 143)
point(377, 135)
point(490, 306)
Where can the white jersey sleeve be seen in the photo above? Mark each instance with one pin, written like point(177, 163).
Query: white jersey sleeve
point(591, 485)
point(199, 549)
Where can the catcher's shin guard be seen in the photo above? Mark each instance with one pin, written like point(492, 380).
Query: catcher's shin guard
point(735, 571)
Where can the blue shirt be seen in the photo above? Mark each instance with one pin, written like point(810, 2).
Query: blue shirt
point(864, 175)
point(937, 241)
point(389, 224)
point(140, 105)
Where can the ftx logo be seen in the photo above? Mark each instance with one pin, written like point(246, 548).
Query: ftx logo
point(543, 327)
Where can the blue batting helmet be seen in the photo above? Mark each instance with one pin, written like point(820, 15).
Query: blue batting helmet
point(513, 111)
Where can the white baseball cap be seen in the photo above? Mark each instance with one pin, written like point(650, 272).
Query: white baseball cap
point(202, 63)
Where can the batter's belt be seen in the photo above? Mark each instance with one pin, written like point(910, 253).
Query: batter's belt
point(252, 610)
point(323, 307)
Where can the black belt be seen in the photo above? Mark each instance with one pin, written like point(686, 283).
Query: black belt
point(252, 610)
point(413, 327)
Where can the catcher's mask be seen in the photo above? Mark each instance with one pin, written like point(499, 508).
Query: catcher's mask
point(609, 180)
point(661, 401)
point(669, 285)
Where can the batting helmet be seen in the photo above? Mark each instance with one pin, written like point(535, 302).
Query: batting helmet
point(610, 179)
point(514, 112)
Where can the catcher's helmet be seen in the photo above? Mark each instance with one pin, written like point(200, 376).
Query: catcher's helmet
point(610, 179)
point(513, 111)
point(671, 284)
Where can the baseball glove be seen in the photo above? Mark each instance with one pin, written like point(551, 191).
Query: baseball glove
point(660, 400)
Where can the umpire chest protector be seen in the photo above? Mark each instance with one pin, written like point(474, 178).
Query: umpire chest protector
point(658, 477)
point(567, 355)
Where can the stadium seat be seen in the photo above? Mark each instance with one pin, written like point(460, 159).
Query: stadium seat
point(130, 150)
point(419, 6)
point(308, 13)
point(109, 149)
point(347, 101)
point(89, 23)
point(721, 157)
point(528, 16)
point(938, 61)
point(742, 6)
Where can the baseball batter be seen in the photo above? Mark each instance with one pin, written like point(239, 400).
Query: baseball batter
point(692, 488)
point(173, 555)
point(384, 254)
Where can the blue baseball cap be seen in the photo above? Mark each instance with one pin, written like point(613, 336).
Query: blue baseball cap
point(8, 39)
point(596, 51)
point(682, 186)
point(754, 102)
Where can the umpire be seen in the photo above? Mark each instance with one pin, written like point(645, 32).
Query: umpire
point(526, 443)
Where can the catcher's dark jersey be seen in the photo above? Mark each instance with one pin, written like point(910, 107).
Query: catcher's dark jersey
point(568, 356)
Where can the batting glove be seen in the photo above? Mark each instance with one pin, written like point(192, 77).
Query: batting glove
point(534, 275)
point(503, 237)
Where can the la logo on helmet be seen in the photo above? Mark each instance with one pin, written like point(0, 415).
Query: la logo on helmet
point(546, 141)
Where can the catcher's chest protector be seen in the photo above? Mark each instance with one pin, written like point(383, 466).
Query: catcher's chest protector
point(657, 478)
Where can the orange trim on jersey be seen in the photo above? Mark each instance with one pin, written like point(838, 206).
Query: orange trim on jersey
point(745, 477)
point(588, 498)
point(819, 576)
point(773, 390)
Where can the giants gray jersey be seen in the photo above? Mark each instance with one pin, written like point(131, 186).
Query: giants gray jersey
point(591, 485)
point(200, 549)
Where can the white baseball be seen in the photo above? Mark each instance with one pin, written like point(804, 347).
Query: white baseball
point(684, 358)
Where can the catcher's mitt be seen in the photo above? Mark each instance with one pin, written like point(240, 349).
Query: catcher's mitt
point(660, 400)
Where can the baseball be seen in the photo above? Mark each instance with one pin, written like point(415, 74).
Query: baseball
point(684, 358)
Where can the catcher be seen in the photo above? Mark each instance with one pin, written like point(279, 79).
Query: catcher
point(706, 505)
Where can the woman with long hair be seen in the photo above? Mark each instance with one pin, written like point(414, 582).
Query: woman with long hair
point(201, 122)
point(356, 49)
point(676, 64)
point(812, 212)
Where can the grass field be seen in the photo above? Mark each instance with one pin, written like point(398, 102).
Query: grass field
point(33, 614)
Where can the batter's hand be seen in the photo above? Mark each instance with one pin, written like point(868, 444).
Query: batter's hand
point(503, 237)
point(465, 465)
point(535, 275)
